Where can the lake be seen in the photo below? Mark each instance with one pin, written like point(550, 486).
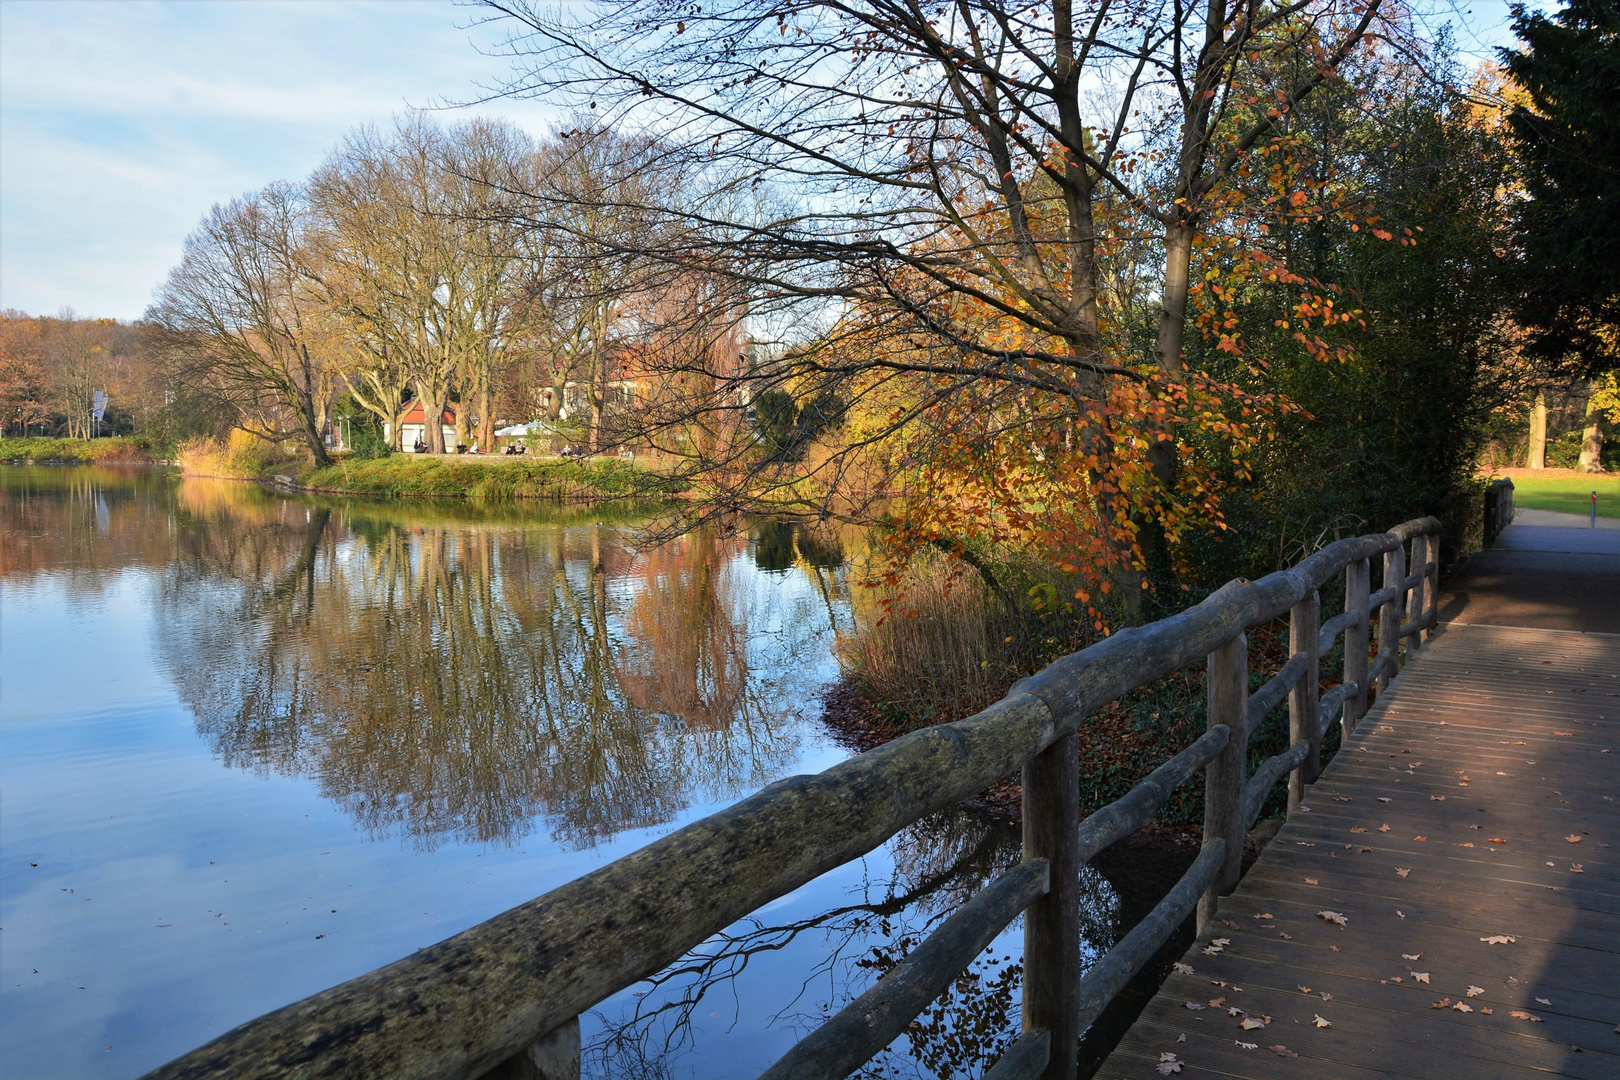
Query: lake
point(252, 745)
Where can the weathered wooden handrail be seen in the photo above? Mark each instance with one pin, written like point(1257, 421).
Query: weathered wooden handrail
point(1498, 509)
point(474, 1001)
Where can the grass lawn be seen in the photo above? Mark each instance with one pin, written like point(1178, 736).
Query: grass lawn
point(1570, 493)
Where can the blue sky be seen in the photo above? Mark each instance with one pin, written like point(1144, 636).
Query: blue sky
point(122, 123)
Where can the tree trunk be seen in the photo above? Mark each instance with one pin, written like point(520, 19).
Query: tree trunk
point(1592, 444)
point(486, 418)
point(1537, 458)
point(432, 418)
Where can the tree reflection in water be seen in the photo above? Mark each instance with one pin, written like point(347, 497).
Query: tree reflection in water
point(457, 679)
point(938, 864)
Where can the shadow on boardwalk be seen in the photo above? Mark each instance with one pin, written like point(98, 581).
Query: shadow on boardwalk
point(1469, 836)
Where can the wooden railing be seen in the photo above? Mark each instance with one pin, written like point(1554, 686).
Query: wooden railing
point(1498, 509)
point(505, 996)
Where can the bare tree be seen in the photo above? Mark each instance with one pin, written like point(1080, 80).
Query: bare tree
point(420, 251)
point(930, 178)
point(239, 313)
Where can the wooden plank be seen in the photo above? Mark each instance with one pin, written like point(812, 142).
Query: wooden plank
point(1450, 746)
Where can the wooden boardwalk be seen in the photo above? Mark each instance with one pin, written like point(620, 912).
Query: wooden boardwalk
point(1469, 837)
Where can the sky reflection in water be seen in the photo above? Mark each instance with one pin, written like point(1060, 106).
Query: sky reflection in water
point(425, 716)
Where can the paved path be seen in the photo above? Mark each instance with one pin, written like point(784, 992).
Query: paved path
point(1469, 836)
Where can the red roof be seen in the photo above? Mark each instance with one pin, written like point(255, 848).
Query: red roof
point(413, 415)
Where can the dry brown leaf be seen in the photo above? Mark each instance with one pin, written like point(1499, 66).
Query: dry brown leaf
point(1334, 948)
point(1437, 798)
point(1319, 1022)
point(1403, 870)
point(1500, 939)
point(1267, 915)
point(1573, 838)
point(1168, 1064)
point(1385, 798)
point(1285, 935)
point(1383, 828)
point(1183, 969)
point(1497, 840)
point(1517, 1015)
point(1234, 1011)
point(1311, 881)
point(1443, 1003)
point(1252, 1023)
point(1195, 1006)
point(1475, 991)
point(1246, 1046)
point(1304, 989)
point(1216, 1003)
point(1543, 1001)
point(1420, 839)
point(1485, 1010)
point(1421, 976)
point(1334, 917)
point(1357, 828)
point(1412, 956)
point(1399, 913)
point(1575, 868)
point(1465, 845)
point(1460, 1007)
point(1282, 1051)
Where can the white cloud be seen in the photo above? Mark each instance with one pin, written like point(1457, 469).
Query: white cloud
point(121, 123)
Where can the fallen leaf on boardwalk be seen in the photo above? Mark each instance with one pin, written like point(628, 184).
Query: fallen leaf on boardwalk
point(1286, 936)
point(1543, 1001)
point(1267, 915)
point(1403, 870)
point(1182, 1037)
point(1357, 828)
point(1383, 828)
point(1567, 734)
point(1363, 850)
point(1216, 1003)
point(1234, 1011)
point(1411, 956)
point(1196, 1006)
point(1517, 1015)
point(1182, 969)
point(1573, 838)
point(1341, 798)
point(1465, 845)
point(1475, 991)
point(1575, 868)
point(1334, 948)
point(1421, 976)
point(1283, 1051)
point(1437, 798)
point(1460, 1007)
point(1246, 1046)
point(1385, 798)
point(1334, 917)
point(1497, 840)
point(1305, 989)
point(1319, 1022)
point(1420, 839)
point(1168, 1064)
point(1400, 913)
point(1311, 881)
point(1325, 996)
point(1485, 1010)
point(1443, 1003)
point(1229, 924)
point(1500, 939)
point(1396, 978)
point(1251, 1023)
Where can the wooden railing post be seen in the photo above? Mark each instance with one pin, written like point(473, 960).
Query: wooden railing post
point(1052, 923)
point(1228, 689)
point(1304, 702)
point(1389, 617)
point(1357, 576)
point(1417, 602)
point(553, 1056)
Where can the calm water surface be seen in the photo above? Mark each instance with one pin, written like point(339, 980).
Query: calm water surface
point(252, 746)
